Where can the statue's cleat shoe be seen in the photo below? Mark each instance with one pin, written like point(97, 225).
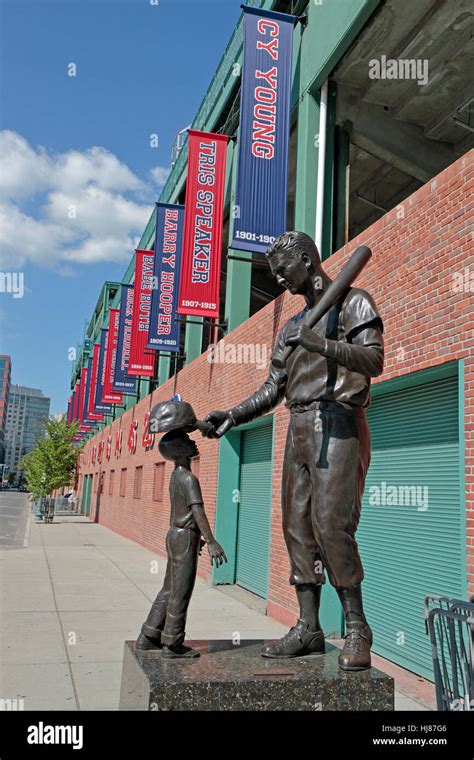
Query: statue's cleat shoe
point(298, 642)
point(179, 651)
point(356, 652)
point(148, 643)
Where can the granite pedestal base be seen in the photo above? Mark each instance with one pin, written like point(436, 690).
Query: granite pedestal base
point(230, 677)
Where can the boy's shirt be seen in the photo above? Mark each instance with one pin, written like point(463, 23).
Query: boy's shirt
point(184, 492)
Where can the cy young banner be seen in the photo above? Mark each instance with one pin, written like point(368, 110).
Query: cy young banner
point(142, 361)
point(164, 329)
point(122, 381)
point(202, 238)
point(262, 171)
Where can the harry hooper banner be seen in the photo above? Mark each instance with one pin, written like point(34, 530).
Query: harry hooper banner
point(262, 171)
point(163, 332)
point(122, 381)
point(202, 237)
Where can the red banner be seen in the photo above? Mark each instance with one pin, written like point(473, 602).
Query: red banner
point(142, 360)
point(110, 396)
point(83, 393)
point(202, 238)
point(91, 413)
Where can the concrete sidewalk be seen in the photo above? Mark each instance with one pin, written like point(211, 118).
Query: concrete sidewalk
point(75, 593)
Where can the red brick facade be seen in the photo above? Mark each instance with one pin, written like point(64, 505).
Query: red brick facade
point(419, 248)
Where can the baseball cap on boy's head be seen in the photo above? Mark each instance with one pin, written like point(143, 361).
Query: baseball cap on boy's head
point(175, 415)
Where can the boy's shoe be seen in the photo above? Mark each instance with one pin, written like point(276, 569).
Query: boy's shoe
point(179, 651)
point(298, 642)
point(147, 643)
point(356, 652)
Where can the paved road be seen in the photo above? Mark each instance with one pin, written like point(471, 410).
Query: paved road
point(14, 519)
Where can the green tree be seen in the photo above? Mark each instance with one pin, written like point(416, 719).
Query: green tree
point(51, 464)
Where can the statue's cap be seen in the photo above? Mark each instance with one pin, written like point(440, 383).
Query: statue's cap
point(175, 415)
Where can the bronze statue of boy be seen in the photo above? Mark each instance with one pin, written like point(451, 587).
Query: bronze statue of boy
point(165, 625)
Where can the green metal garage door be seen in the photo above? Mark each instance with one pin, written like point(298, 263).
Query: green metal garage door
point(412, 528)
point(253, 533)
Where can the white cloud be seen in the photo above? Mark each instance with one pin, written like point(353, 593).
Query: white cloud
point(87, 205)
point(159, 175)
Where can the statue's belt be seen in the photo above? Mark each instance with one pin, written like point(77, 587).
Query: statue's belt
point(333, 407)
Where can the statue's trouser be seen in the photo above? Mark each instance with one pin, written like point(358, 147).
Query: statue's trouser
point(167, 616)
point(326, 459)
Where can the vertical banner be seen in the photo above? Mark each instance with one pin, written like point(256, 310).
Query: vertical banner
point(122, 381)
point(108, 395)
point(89, 412)
point(164, 329)
point(82, 393)
point(76, 394)
point(93, 412)
point(202, 237)
point(264, 134)
point(99, 349)
point(142, 361)
point(105, 398)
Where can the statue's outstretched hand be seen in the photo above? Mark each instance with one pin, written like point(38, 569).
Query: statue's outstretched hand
point(221, 423)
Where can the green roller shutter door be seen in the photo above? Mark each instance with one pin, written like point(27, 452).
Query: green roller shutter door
point(412, 528)
point(253, 533)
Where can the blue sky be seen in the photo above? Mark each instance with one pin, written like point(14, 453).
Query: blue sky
point(79, 177)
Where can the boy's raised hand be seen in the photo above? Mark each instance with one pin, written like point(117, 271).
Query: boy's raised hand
point(216, 553)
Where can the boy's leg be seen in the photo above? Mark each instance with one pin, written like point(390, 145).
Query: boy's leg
point(152, 628)
point(183, 552)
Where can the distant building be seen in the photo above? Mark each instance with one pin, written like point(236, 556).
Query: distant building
point(27, 412)
point(5, 379)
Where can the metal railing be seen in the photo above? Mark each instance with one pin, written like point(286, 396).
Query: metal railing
point(450, 625)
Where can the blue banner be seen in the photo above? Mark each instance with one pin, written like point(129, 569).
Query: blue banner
point(262, 172)
point(164, 329)
point(99, 406)
point(122, 381)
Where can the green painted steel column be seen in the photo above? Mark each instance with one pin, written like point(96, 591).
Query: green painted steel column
point(239, 273)
point(164, 368)
point(306, 164)
point(193, 339)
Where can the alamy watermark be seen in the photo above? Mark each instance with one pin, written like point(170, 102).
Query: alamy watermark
point(238, 353)
point(399, 68)
point(12, 282)
point(384, 495)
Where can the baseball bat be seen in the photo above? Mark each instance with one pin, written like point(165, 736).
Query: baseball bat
point(351, 269)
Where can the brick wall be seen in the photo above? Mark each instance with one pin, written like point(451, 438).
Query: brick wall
point(418, 248)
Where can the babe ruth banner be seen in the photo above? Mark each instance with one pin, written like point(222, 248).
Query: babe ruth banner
point(164, 330)
point(264, 133)
point(202, 237)
point(122, 381)
point(105, 397)
point(142, 361)
point(108, 395)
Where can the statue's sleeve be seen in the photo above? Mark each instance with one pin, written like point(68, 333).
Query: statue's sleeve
point(268, 395)
point(364, 350)
point(192, 490)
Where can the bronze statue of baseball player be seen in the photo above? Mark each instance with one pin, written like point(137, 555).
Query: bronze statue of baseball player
point(326, 382)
